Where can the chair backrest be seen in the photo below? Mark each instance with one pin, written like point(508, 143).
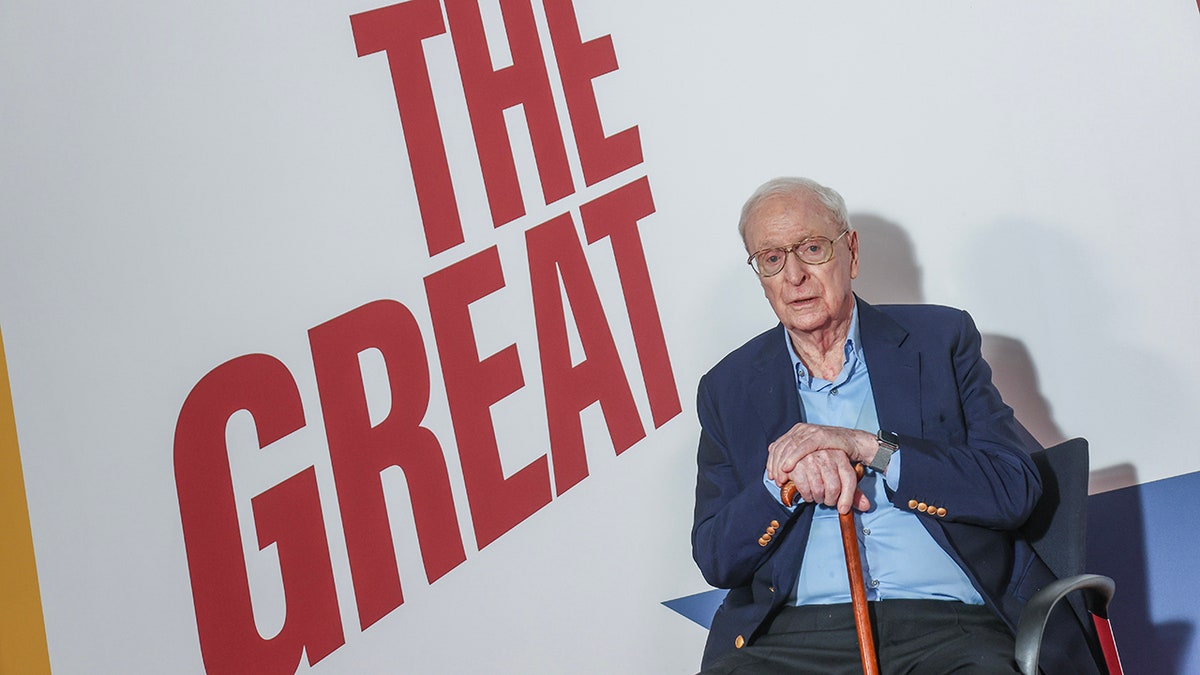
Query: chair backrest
point(1058, 527)
point(1057, 530)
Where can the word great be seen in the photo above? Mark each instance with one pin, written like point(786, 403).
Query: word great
point(290, 514)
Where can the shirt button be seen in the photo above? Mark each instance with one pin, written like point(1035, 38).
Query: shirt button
point(867, 531)
point(834, 392)
point(874, 583)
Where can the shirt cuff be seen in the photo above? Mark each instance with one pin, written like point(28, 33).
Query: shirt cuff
point(892, 477)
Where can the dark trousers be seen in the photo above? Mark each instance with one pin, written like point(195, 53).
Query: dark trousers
point(913, 637)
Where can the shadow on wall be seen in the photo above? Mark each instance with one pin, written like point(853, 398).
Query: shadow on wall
point(890, 273)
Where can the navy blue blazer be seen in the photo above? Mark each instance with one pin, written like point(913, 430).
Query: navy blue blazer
point(965, 457)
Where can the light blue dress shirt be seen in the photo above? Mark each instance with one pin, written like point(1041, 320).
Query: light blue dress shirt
point(899, 558)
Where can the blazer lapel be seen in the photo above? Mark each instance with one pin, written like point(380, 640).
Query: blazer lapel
point(894, 363)
point(775, 398)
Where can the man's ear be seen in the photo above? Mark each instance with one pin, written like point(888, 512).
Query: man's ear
point(852, 242)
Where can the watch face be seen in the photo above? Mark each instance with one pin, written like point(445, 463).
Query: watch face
point(888, 438)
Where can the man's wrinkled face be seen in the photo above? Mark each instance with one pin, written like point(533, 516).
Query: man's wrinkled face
point(806, 298)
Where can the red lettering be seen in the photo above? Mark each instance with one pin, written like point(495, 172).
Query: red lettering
point(615, 215)
point(489, 92)
point(359, 452)
point(472, 386)
point(288, 515)
point(578, 64)
point(554, 250)
point(398, 30)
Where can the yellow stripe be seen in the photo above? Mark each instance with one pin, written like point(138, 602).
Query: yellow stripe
point(22, 628)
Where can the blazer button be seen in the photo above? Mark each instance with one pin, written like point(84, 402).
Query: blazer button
point(771, 530)
point(941, 512)
point(912, 503)
point(739, 642)
point(764, 540)
point(922, 507)
point(775, 524)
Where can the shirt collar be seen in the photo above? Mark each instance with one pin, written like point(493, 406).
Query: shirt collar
point(852, 350)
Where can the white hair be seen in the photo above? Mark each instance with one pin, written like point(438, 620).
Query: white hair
point(798, 188)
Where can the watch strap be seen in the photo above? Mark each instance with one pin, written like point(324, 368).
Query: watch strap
point(888, 444)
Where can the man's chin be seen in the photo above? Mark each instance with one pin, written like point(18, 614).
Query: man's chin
point(807, 321)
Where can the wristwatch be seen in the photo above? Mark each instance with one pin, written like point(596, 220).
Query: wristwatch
point(888, 443)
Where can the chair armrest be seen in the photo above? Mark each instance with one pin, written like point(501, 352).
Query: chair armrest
point(1097, 592)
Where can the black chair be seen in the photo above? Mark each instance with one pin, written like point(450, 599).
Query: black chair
point(1058, 532)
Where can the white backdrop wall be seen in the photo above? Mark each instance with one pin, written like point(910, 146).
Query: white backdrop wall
point(186, 185)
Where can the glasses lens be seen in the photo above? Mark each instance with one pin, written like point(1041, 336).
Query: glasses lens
point(815, 251)
point(770, 261)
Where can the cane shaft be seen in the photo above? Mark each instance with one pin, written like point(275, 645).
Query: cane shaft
point(854, 571)
point(858, 594)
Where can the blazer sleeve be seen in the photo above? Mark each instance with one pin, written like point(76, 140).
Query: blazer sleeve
point(975, 465)
point(733, 509)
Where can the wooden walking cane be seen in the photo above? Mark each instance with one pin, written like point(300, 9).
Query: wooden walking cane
point(858, 592)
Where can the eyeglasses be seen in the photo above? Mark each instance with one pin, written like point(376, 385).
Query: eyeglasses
point(812, 251)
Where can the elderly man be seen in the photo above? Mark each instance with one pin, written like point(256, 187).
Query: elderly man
point(902, 390)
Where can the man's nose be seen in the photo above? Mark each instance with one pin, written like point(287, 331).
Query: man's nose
point(794, 271)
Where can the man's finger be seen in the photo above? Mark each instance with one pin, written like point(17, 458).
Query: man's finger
point(849, 483)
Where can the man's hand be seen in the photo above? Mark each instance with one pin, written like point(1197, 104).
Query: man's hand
point(820, 461)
